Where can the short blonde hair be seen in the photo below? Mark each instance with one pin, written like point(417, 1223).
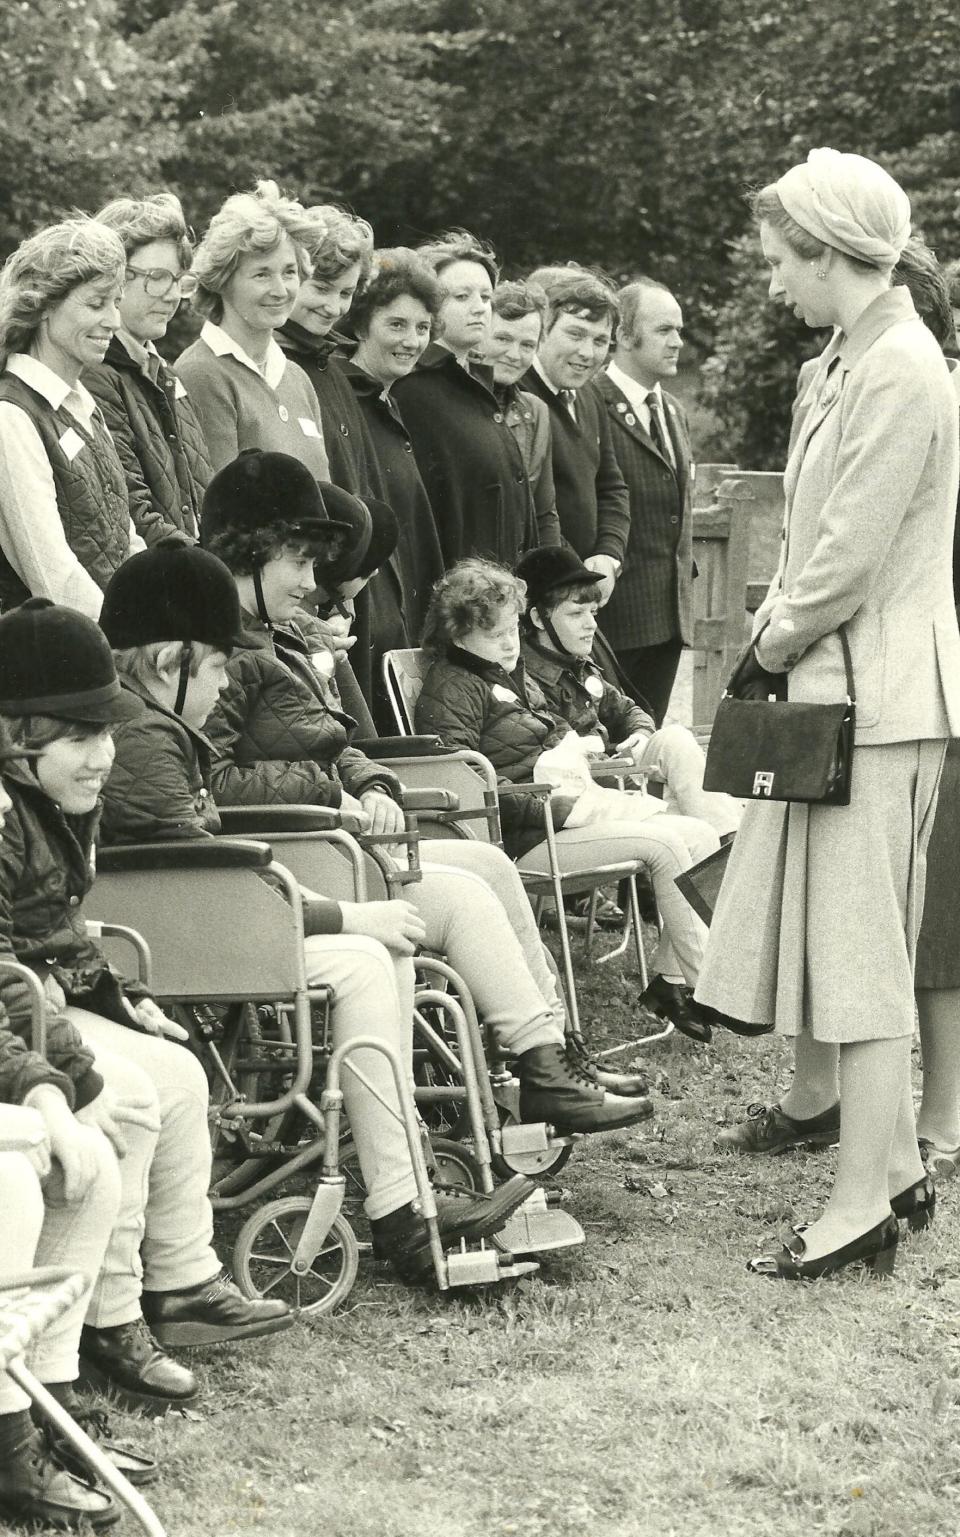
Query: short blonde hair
point(338, 239)
point(139, 221)
point(140, 662)
point(48, 266)
point(248, 221)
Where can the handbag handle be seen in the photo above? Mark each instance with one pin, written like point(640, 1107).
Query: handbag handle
point(847, 659)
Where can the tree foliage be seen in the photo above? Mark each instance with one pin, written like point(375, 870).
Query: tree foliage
point(623, 133)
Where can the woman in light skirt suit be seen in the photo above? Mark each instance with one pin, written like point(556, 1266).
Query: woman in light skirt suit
point(815, 928)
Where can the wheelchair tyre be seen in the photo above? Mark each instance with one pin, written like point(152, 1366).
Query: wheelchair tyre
point(533, 1165)
point(265, 1247)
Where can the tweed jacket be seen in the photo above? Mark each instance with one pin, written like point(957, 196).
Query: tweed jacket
point(159, 439)
point(593, 503)
point(473, 704)
point(577, 692)
point(652, 600)
point(871, 496)
point(468, 457)
point(273, 735)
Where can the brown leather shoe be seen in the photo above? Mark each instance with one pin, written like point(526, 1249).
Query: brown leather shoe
point(212, 1314)
point(402, 1239)
point(34, 1491)
point(128, 1360)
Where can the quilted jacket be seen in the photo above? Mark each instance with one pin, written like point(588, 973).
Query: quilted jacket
point(159, 786)
point(473, 704)
point(22, 1069)
point(274, 737)
point(578, 693)
point(91, 490)
point(159, 440)
point(46, 869)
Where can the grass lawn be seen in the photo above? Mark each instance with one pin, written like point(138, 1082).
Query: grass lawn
point(643, 1384)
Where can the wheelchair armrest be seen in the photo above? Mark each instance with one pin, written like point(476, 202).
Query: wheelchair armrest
point(186, 854)
point(261, 821)
point(382, 748)
point(615, 767)
point(529, 787)
point(428, 799)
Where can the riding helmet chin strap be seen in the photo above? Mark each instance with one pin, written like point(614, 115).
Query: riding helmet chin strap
point(186, 657)
point(555, 640)
point(258, 591)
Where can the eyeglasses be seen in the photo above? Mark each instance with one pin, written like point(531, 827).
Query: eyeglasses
point(157, 281)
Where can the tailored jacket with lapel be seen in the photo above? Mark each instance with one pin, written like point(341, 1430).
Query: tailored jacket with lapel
point(871, 495)
point(469, 459)
point(592, 498)
point(651, 601)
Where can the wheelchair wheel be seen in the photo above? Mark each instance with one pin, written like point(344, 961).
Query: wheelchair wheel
point(456, 1168)
point(533, 1165)
point(266, 1245)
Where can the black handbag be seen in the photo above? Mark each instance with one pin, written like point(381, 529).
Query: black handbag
point(781, 750)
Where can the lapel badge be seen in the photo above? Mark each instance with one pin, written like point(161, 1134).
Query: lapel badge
point(283, 413)
point(621, 407)
point(593, 686)
point(630, 419)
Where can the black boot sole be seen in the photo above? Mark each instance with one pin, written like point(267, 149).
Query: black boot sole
point(47, 1520)
point(585, 1126)
point(94, 1376)
point(178, 1336)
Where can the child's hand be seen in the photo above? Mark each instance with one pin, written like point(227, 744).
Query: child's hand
point(397, 925)
point(384, 813)
point(109, 1113)
point(152, 1019)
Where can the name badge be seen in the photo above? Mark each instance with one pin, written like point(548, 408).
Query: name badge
point(179, 389)
point(71, 443)
point(504, 695)
point(308, 427)
point(283, 413)
point(594, 687)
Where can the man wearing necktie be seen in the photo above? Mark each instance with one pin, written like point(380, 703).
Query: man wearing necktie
point(592, 500)
point(648, 619)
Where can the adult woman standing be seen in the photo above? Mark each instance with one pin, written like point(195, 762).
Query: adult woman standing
point(340, 248)
point(249, 267)
point(467, 454)
point(815, 927)
point(150, 415)
point(393, 319)
point(64, 516)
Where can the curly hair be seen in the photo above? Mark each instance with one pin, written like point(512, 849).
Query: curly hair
point(396, 273)
point(248, 221)
point(48, 266)
point(470, 596)
point(458, 245)
point(336, 240)
point(139, 221)
point(245, 550)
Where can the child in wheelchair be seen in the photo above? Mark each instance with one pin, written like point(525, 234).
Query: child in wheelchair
point(59, 1198)
point(172, 617)
point(161, 1282)
point(275, 739)
point(478, 694)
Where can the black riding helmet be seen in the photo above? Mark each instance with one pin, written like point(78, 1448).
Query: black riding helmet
point(374, 536)
point(547, 571)
point(54, 661)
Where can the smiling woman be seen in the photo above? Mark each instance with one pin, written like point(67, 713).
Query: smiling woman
point(64, 513)
point(249, 268)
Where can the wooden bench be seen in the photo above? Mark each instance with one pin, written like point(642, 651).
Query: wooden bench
point(737, 523)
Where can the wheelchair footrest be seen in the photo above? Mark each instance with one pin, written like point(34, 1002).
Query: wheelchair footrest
point(528, 1137)
point(535, 1229)
point(484, 1267)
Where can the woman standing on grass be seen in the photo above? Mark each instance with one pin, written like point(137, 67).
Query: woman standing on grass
point(816, 924)
point(64, 514)
point(249, 267)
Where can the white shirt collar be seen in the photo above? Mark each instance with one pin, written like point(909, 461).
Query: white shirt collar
point(223, 345)
point(139, 351)
point(51, 386)
point(635, 392)
point(548, 382)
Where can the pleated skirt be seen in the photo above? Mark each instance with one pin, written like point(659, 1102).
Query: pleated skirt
point(817, 919)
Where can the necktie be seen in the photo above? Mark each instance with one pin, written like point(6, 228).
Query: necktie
point(656, 426)
point(569, 398)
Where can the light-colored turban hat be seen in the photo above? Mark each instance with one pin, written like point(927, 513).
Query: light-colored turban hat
point(850, 203)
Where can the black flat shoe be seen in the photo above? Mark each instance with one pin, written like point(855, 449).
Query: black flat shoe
point(671, 1001)
point(875, 1249)
point(916, 1205)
